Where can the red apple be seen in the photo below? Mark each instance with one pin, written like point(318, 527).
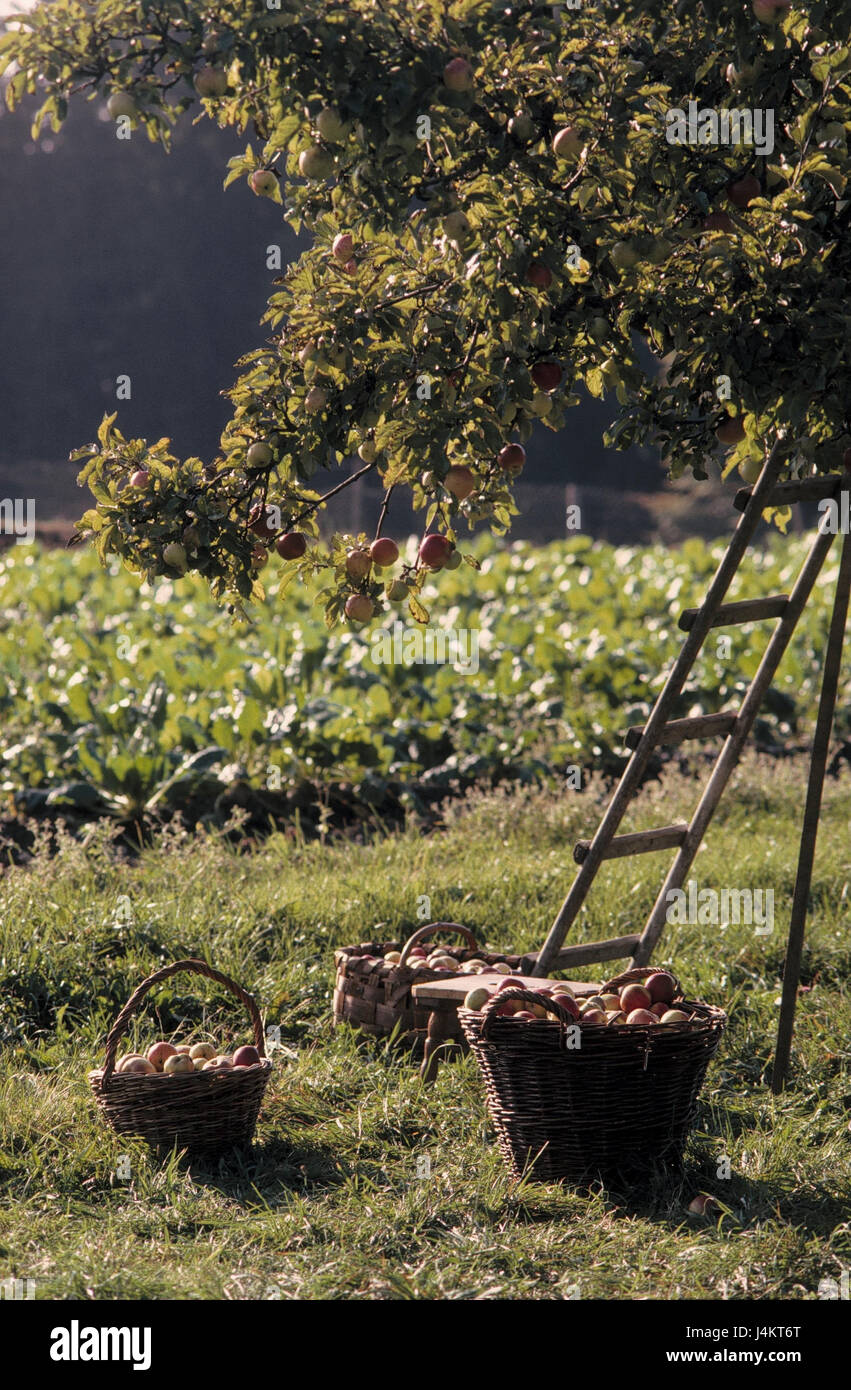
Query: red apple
point(546, 375)
point(658, 1009)
point(568, 1003)
point(358, 563)
point(291, 545)
point(525, 1016)
point(718, 222)
point(635, 996)
point(731, 431)
point(660, 987)
point(246, 1057)
point(315, 400)
point(142, 477)
point(539, 275)
point(744, 190)
point(510, 982)
point(263, 183)
point(359, 607)
point(157, 1054)
point(260, 522)
point(593, 1016)
point(641, 1016)
point(768, 11)
point(384, 552)
point(458, 75)
point(512, 457)
point(435, 550)
point(459, 481)
point(218, 1064)
point(343, 246)
point(137, 1066)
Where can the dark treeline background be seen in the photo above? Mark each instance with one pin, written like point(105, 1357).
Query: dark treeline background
point(118, 258)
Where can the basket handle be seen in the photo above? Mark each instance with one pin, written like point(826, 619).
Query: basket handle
point(197, 967)
point(432, 927)
point(516, 992)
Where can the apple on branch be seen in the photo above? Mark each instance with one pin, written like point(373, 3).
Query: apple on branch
point(546, 375)
point(315, 163)
point(744, 190)
point(357, 563)
point(567, 143)
point(435, 550)
point(383, 552)
point(291, 545)
point(458, 75)
point(211, 82)
point(258, 455)
point(140, 479)
point(263, 182)
point(459, 481)
point(731, 431)
point(122, 104)
point(359, 607)
point(539, 275)
point(330, 126)
point(343, 246)
point(511, 458)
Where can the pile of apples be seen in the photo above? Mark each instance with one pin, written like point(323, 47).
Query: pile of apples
point(637, 1004)
point(181, 1059)
point(438, 959)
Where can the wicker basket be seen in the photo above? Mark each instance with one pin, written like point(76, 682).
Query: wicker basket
point(615, 1106)
point(375, 995)
point(205, 1112)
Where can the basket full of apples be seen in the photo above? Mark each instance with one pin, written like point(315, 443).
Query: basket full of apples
point(606, 1088)
point(373, 984)
point(186, 1096)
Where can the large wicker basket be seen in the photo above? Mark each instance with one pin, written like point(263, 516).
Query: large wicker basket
point(616, 1105)
point(206, 1112)
point(375, 996)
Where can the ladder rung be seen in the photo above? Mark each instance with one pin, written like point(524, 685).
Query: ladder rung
point(678, 730)
point(589, 953)
point(747, 611)
point(640, 842)
point(795, 490)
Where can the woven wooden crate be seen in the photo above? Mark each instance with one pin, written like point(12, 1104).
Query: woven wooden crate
point(617, 1106)
point(374, 995)
point(205, 1112)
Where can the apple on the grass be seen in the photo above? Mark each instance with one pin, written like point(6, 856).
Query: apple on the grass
point(246, 1057)
point(263, 183)
point(383, 552)
point(511, 458)
point(458, 75)
point(546, 375)
point(731, 431)
point(459, 481)
point(140, 479)
point(567, 143)
point(635, 996)
point(291, 545)
point(121, 104)
point(211, 82)
point(359, 607)
point(435, 550)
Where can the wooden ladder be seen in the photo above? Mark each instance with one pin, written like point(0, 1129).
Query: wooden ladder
point(734, 727)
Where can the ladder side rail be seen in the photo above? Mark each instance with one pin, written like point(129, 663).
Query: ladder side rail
point(635, 768)
point(729, 755)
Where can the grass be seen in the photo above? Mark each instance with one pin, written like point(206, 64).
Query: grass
point(330, 1205)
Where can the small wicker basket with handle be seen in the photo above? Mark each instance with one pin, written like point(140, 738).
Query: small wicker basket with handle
point(205, 1112)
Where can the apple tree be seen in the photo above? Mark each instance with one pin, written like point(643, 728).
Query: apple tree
point(506, 201)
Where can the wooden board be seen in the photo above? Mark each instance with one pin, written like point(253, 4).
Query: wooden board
point(456, 986)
